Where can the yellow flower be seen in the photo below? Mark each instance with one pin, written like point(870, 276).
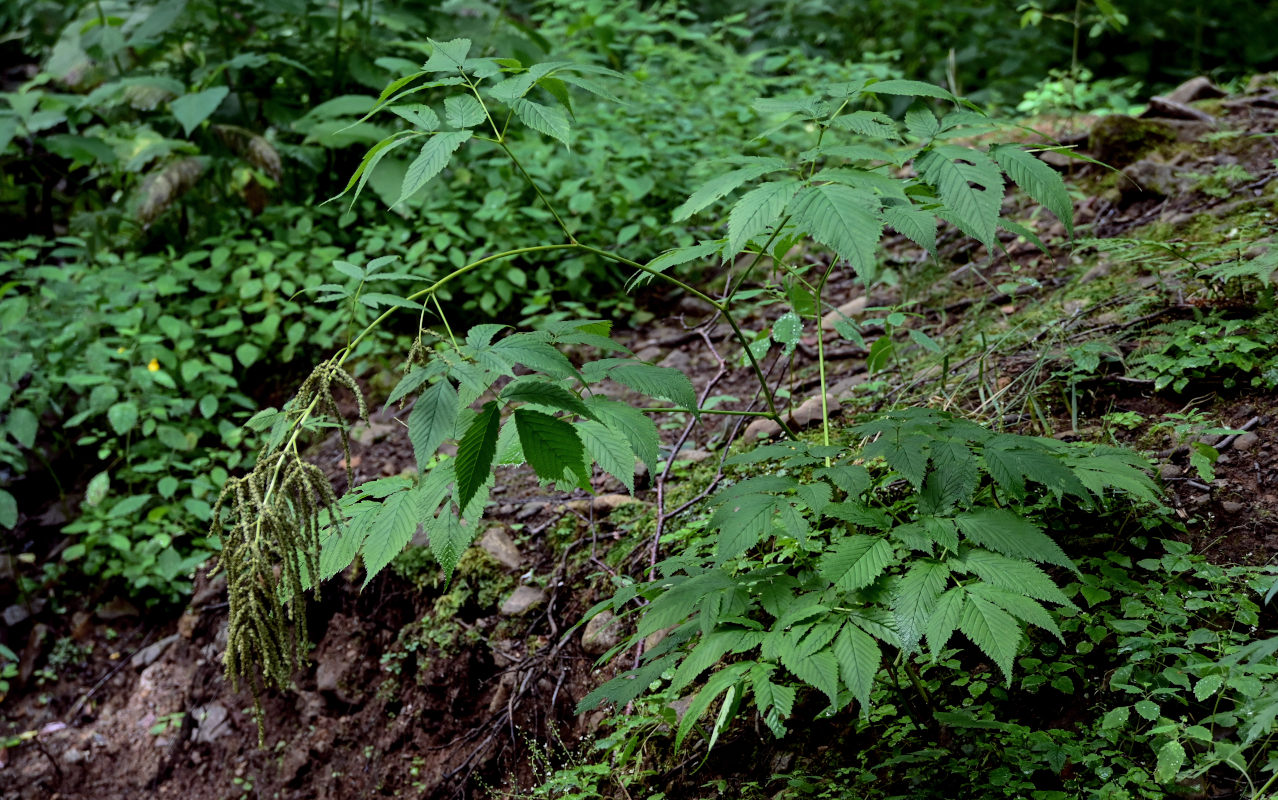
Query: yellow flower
point(119, 350)
point(154, 366)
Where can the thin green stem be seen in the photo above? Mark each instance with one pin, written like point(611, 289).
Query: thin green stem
point(434, 298)
point(726, 412)
point(545, 201)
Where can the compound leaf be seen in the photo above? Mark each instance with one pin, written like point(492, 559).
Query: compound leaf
point(432, 420)
point(389, 533)
point(971, 187)
point(1038, 180)
point(550, 445)
point(993, 630)
point(611, 450)
point(475, 452)
point(1009, 533)
point(859, 657)
point(843, 219)
point(432, 159)
point(856, 561)
point(756, 211)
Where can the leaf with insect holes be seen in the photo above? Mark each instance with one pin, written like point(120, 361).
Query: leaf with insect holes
point(432, 420)
point(971, 187)
point(529, 389)
point(432, 159)
point(1038, 180)
point(756, 211)
point(475, 452)
point(845, 220)
point(550, 445)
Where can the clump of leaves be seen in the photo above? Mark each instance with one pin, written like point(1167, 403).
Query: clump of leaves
point(839, 562)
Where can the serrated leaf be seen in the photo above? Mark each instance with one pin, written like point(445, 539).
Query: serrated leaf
point(756, 211)
point(1116, 718)
point(1023, 608)
point(819, 670)
point(419, 115)
point(447, 56)
point(1208, 686)
point(867, 123)
point(859, 658)
point(1006, 532)
point(721, 185)
point(718, 684)
point(666, 383)
point(914, 598)
point(1014, 575)
point(463, 111)
point(922, 123)
point(475, 453)
point(856, 561)
point(914, 224)
point(536, 355)
point(952, 480)
point(907, 454)
point(909, 88)
point(993, 630)
point(971, 187)
point(409, 384)
point(944, 620)
point(432, 159)
point(681, 255)
point(122, 416)
point(843, 219)
point(550, 445)
point(611, 450)
point(9, 510)
point(1038, 180)
point(449, 538)
point(389, 533)
point(550, 120)
point(1171, 757)
point(192, 109)
point(366, 165)
point(742, 523)
point(529, 389)
point(787, 331)
point(432, 420)
point(636, 426)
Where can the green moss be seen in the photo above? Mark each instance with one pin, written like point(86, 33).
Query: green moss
point(1120, 140)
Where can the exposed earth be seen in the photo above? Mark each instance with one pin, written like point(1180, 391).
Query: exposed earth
point(422, 690)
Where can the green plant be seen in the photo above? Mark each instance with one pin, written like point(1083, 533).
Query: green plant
point(1212, 347)
point(1188, 429)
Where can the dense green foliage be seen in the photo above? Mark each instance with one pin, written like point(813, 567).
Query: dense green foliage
point(231, 205)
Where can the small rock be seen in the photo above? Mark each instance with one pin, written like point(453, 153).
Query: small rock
point(1200, 499)
point(612, 501)
point(1163, 108)
point(74, 756)
point(651, 354)
point(117, 608)
point(498, 544)
point(14, 614)
point(151, 653)
point(1169, 471)
point(601, 634)
point(694, 456)
point(1200, 88)
point(809, 411)
point(678, 359)
point(1231, 507)
point(1119, 140)
point(522, 600)
point(848, 310)
point(844, 388)
point(1245, 442)
point(529, 510)
point(762, 428)
point(1150, 179)
point(210, 723)
point(1095, 273)
point(372, 432)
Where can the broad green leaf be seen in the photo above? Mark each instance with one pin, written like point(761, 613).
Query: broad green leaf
point(1006, 532)
point(922, 123)
point(550, 445)
point(819, 670)
point(944, 620)
point(128, 506)
point(447, 56)
point(1116, 718)
point(1208, 686)
point(475, 453)
point(859, 658)
point(843, 219)
point(410, 383)
point(787, 331)
point(449, 538)
point(742, 523)
point(721, 185)
point(775, 701)
point(529, 389)
point(536, 355)
point(914, 598)
point(422, 116)
point(914, 224)
point(636, 426)
point(432, 420)
point(9, 510)
point(867, 123)
point(971, 187)
point(122, 416)
point(463, 111)
point(718, 684)
point(682, 255)
point(1171, 757)
point(1014, 575)
point(23, 425)
point(663, 382)
point(856, 561)
point(951, 482)
point(432, 159)
point(905, 453)
point(389, 533)
point(550, 120)
point(192, 109)
point(1023, 608)
point(909, 89)
point(756, 211)
point(1038, 180)
point(610, 449)
point(366, 166)
point(993, 630)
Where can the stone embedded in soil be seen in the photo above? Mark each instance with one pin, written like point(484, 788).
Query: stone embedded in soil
point(809, 411)
point(1148, 179)
point(1231, 506)
point(1120, 140)
point(529, 510)
point(1169, 471)
point(601, 634)
point(1162, 108)
point(210, 723)
point(151, 653)
point(116, 608)
point(694, 456)
point(848, 310)
point(500, 546)
point(761, 428)
point(1246, 441)
point(1199, 88)
point(522, 600)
